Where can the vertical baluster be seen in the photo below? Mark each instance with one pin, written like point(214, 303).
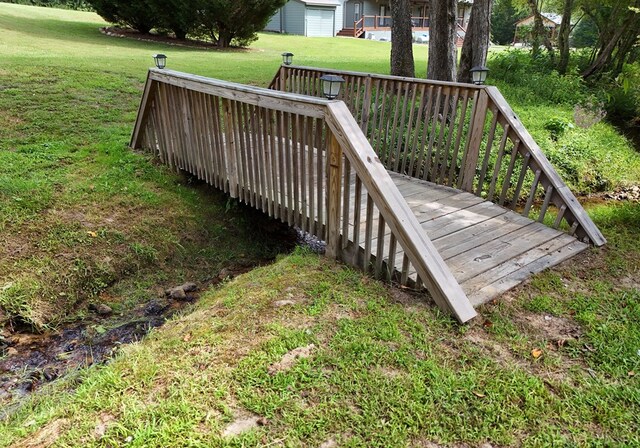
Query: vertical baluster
point(379, 125)
point(423, 137)
point(271, 126)
point(357, 210)
point(545, 205)
point(438, 152)
point(288, 168)
point(346, 197)
point(487, 154)
point(432, 133)
point(406, 264)
point(498, 165)
point(313, 175)
point(400, 145)
point(408, 148)
point(507, 178)
point(380, 246)
point(414, 141)
point(392, 125)
point(368, 235)
point(454, 170)
point(523, 174)
point(559, 217)
point(391, 263)
point(532, 194)
point(298, 148)
point(448, 159)
point(321, 130)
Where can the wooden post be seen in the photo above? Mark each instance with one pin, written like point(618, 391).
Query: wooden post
point(470, 162)
point(230, 149)
point(334, 178)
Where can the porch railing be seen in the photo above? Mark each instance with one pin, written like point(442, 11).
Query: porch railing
point(453, 134)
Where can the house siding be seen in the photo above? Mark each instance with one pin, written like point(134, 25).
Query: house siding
point(275, 23)
point(295, 18)
point(339, 17)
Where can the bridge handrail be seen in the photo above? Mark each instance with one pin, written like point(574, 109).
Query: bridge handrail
point(453, 134)
point(275, 151)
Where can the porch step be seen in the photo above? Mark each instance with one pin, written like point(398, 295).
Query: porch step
point(348, 32)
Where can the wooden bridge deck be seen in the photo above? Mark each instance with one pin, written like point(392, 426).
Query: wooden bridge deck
point(488, 248)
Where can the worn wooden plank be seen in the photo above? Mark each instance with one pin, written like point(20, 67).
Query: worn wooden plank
point(523, 267)
point(493, 253)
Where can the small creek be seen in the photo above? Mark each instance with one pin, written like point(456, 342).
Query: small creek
point(29, 360)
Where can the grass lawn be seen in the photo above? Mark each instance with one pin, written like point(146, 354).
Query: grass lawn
point(345, 361)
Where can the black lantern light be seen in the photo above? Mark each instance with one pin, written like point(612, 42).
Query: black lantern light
point(160, 60)
point(287, 58)
point(479, 74)
point(331, 85)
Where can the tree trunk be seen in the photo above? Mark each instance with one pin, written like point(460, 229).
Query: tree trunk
point(476, 40)
point(441, 63)
point(605, 54)
point(563, 36)
point(539, 34)
point(402, 63)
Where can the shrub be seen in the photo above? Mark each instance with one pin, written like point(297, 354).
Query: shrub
point(223, 21)
point(557, 127)
point(136, 14)
point(519, 69)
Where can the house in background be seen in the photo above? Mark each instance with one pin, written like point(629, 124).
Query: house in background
point(551, 24)
point(369, 19)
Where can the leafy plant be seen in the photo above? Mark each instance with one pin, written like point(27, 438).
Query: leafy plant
point(557, 127)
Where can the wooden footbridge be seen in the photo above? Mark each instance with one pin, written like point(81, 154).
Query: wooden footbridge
point(432, 185)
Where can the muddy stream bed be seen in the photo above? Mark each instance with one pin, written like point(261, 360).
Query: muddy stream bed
point(30, 360)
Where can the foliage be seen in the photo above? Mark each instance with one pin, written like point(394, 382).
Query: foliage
point(625, 96)
point(585, 34)
point(503, 21)
point(136, 14)
point(221, 21)
point(517, 68)
point(557, 126)
point(618, 23)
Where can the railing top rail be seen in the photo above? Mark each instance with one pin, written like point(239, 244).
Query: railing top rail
point(308, 105)
point(388, 77)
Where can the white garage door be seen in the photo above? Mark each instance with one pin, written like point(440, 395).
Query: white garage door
point(320, 22)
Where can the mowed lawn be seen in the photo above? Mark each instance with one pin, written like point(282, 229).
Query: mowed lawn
point(344, 361)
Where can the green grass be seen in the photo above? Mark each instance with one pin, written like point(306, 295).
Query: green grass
point(82, 216)
point(387, 370)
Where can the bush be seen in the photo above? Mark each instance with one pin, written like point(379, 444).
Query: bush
point(519, 69)
point(223, 21)
point(136, 14)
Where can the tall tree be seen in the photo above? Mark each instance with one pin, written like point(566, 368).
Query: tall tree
point(441, 64)
point(476, 40)
point(563, 36)
point(402, 63)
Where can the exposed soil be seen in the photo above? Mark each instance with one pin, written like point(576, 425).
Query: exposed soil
point(29, 360)
point(115, 31)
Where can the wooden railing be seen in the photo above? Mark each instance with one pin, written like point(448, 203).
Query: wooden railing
point(453, 134)
point(300, 159)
